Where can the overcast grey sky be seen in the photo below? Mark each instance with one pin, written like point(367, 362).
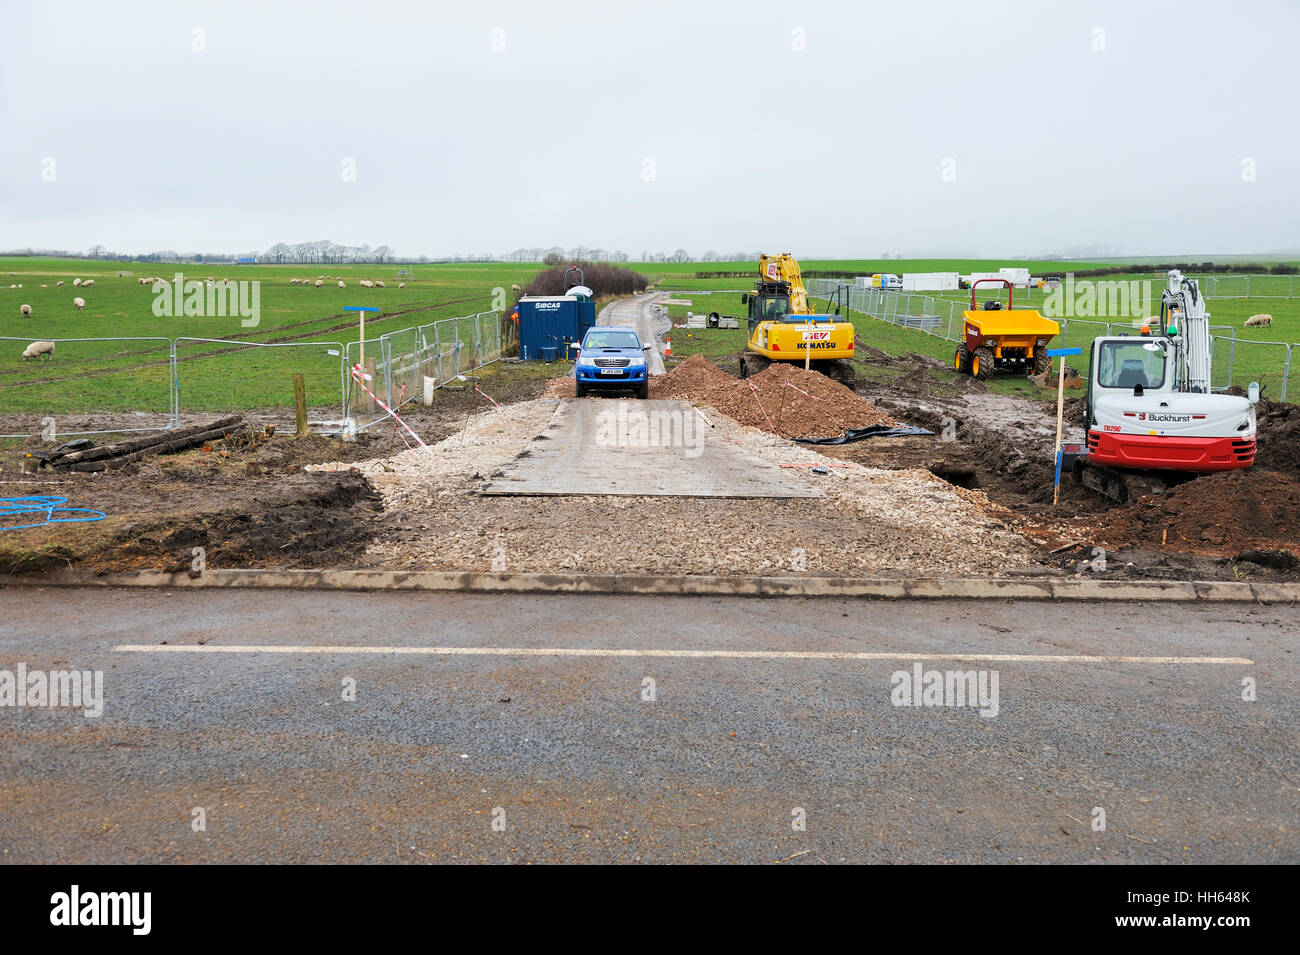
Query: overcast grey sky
point(819, 127)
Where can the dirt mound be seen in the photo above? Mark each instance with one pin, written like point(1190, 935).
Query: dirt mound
point(1221, 514)
point(783, 399)
point(1279, 436)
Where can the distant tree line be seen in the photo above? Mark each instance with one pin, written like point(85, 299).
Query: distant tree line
point(1252, 268)
point(328, 252)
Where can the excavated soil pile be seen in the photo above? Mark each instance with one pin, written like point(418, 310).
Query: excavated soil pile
point(1221, 514)
point(782, 399)
point(1279, 437)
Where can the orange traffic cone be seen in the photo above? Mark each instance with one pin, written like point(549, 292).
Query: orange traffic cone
point(668, 348)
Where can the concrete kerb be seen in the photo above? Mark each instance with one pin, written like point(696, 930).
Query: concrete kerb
point(879, 588)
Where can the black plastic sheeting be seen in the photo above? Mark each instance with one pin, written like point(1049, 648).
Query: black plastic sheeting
point(858, 434)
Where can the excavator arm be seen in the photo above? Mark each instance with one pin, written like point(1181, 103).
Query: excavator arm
point(785, 268)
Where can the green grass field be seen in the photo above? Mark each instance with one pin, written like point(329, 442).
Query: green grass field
point(88, 378)
point(133, 376)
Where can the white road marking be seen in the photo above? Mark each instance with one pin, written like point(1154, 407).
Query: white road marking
point(683, 654)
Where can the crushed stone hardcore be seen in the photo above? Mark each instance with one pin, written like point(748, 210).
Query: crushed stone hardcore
point(870, 523)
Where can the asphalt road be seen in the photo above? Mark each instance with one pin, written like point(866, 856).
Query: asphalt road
point(789, 710)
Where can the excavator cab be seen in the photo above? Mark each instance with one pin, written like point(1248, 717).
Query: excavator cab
point(770, 302)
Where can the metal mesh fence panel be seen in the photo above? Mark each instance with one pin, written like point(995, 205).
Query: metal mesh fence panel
point(110, 384)
point(1238, 362)
point(223, 375)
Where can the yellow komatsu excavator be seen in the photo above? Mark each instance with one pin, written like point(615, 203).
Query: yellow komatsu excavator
point(783, 326)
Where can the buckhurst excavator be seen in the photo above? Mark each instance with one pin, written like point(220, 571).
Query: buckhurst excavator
point(1151, 419)
point(783, 326)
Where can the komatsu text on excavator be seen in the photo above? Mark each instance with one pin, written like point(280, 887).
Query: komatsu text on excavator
point(1151, 418)
point(783, 326)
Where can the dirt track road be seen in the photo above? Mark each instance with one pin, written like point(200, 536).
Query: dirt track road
point(788, 709)
point(639, 313)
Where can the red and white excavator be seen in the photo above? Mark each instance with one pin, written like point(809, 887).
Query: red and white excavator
point(1151, 418)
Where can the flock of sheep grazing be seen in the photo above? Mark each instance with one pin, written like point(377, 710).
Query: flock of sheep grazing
point(364, 283)
point(37, 349)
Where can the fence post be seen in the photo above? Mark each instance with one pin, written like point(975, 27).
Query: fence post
point(300, 403)
point(346, 410)
point(1286, 372)
point(437, 347)
point(175, 389)
point(387, 352)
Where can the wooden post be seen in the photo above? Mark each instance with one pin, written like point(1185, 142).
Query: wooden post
point(1062, 354)
point(373, 384)
point(1060, 418)
point(300, 403)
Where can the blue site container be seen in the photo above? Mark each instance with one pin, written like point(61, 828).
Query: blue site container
point(552, 322)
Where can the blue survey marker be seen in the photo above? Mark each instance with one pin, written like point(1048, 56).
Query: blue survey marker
point(360, 308)
point(1055, 352)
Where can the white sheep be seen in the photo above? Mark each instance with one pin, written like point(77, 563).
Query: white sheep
point(295, 282)
point(43, 285)
point(366, 283)
point(26, 310)
point(342, 284)
point(36, 349)
point(59, 284)
point(79, 302)
point(319, 283)
point(379, 284)
point(76, 282)
point(401, 285)
point(1259, 321)
point(88, 283)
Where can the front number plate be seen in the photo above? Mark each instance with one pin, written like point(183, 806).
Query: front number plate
point(611, 371)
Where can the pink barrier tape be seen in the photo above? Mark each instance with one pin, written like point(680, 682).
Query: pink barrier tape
point(801, 391)
point(360, 378)
point(760, 405)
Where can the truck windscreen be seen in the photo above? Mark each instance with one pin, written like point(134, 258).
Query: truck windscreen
point(611, 340)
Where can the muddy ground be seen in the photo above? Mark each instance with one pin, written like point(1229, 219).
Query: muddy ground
point(260, 508)
point(1238, 525)
point(254, 507)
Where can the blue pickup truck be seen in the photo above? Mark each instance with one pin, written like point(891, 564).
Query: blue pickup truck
point(612, 358)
